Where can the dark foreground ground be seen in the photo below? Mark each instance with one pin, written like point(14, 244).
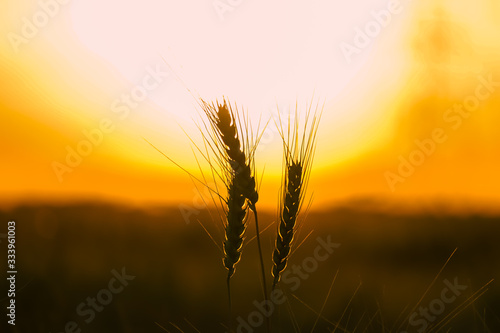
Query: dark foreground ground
point(102, 268)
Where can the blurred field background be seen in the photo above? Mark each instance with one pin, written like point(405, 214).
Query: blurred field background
point(66, 253)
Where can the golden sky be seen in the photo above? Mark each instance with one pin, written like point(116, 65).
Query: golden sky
point(411, 94)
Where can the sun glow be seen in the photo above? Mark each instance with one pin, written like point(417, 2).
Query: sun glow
point(384, 74)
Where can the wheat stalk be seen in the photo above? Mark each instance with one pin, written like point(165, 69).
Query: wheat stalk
point(298, 156)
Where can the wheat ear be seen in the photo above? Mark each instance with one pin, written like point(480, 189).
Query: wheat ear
point(235, 161)
point(238, 155)
point(298, 155)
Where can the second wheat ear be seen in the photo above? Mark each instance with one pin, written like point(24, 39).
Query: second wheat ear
point(298, 156)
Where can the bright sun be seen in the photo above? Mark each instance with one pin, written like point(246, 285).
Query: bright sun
point(258, 53)
point(262, 56)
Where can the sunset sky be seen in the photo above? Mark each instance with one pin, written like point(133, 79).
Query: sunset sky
point(410, 89)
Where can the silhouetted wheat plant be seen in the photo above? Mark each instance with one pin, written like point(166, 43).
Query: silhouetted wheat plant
point(298, 150)
point(231, 142)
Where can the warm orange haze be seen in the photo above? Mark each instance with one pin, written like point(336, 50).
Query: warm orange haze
point(379, 98)
point(127, 204)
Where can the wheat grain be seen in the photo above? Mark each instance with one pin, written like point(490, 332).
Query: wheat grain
point(224, 124)
point(288, 218)
point(235, 228)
